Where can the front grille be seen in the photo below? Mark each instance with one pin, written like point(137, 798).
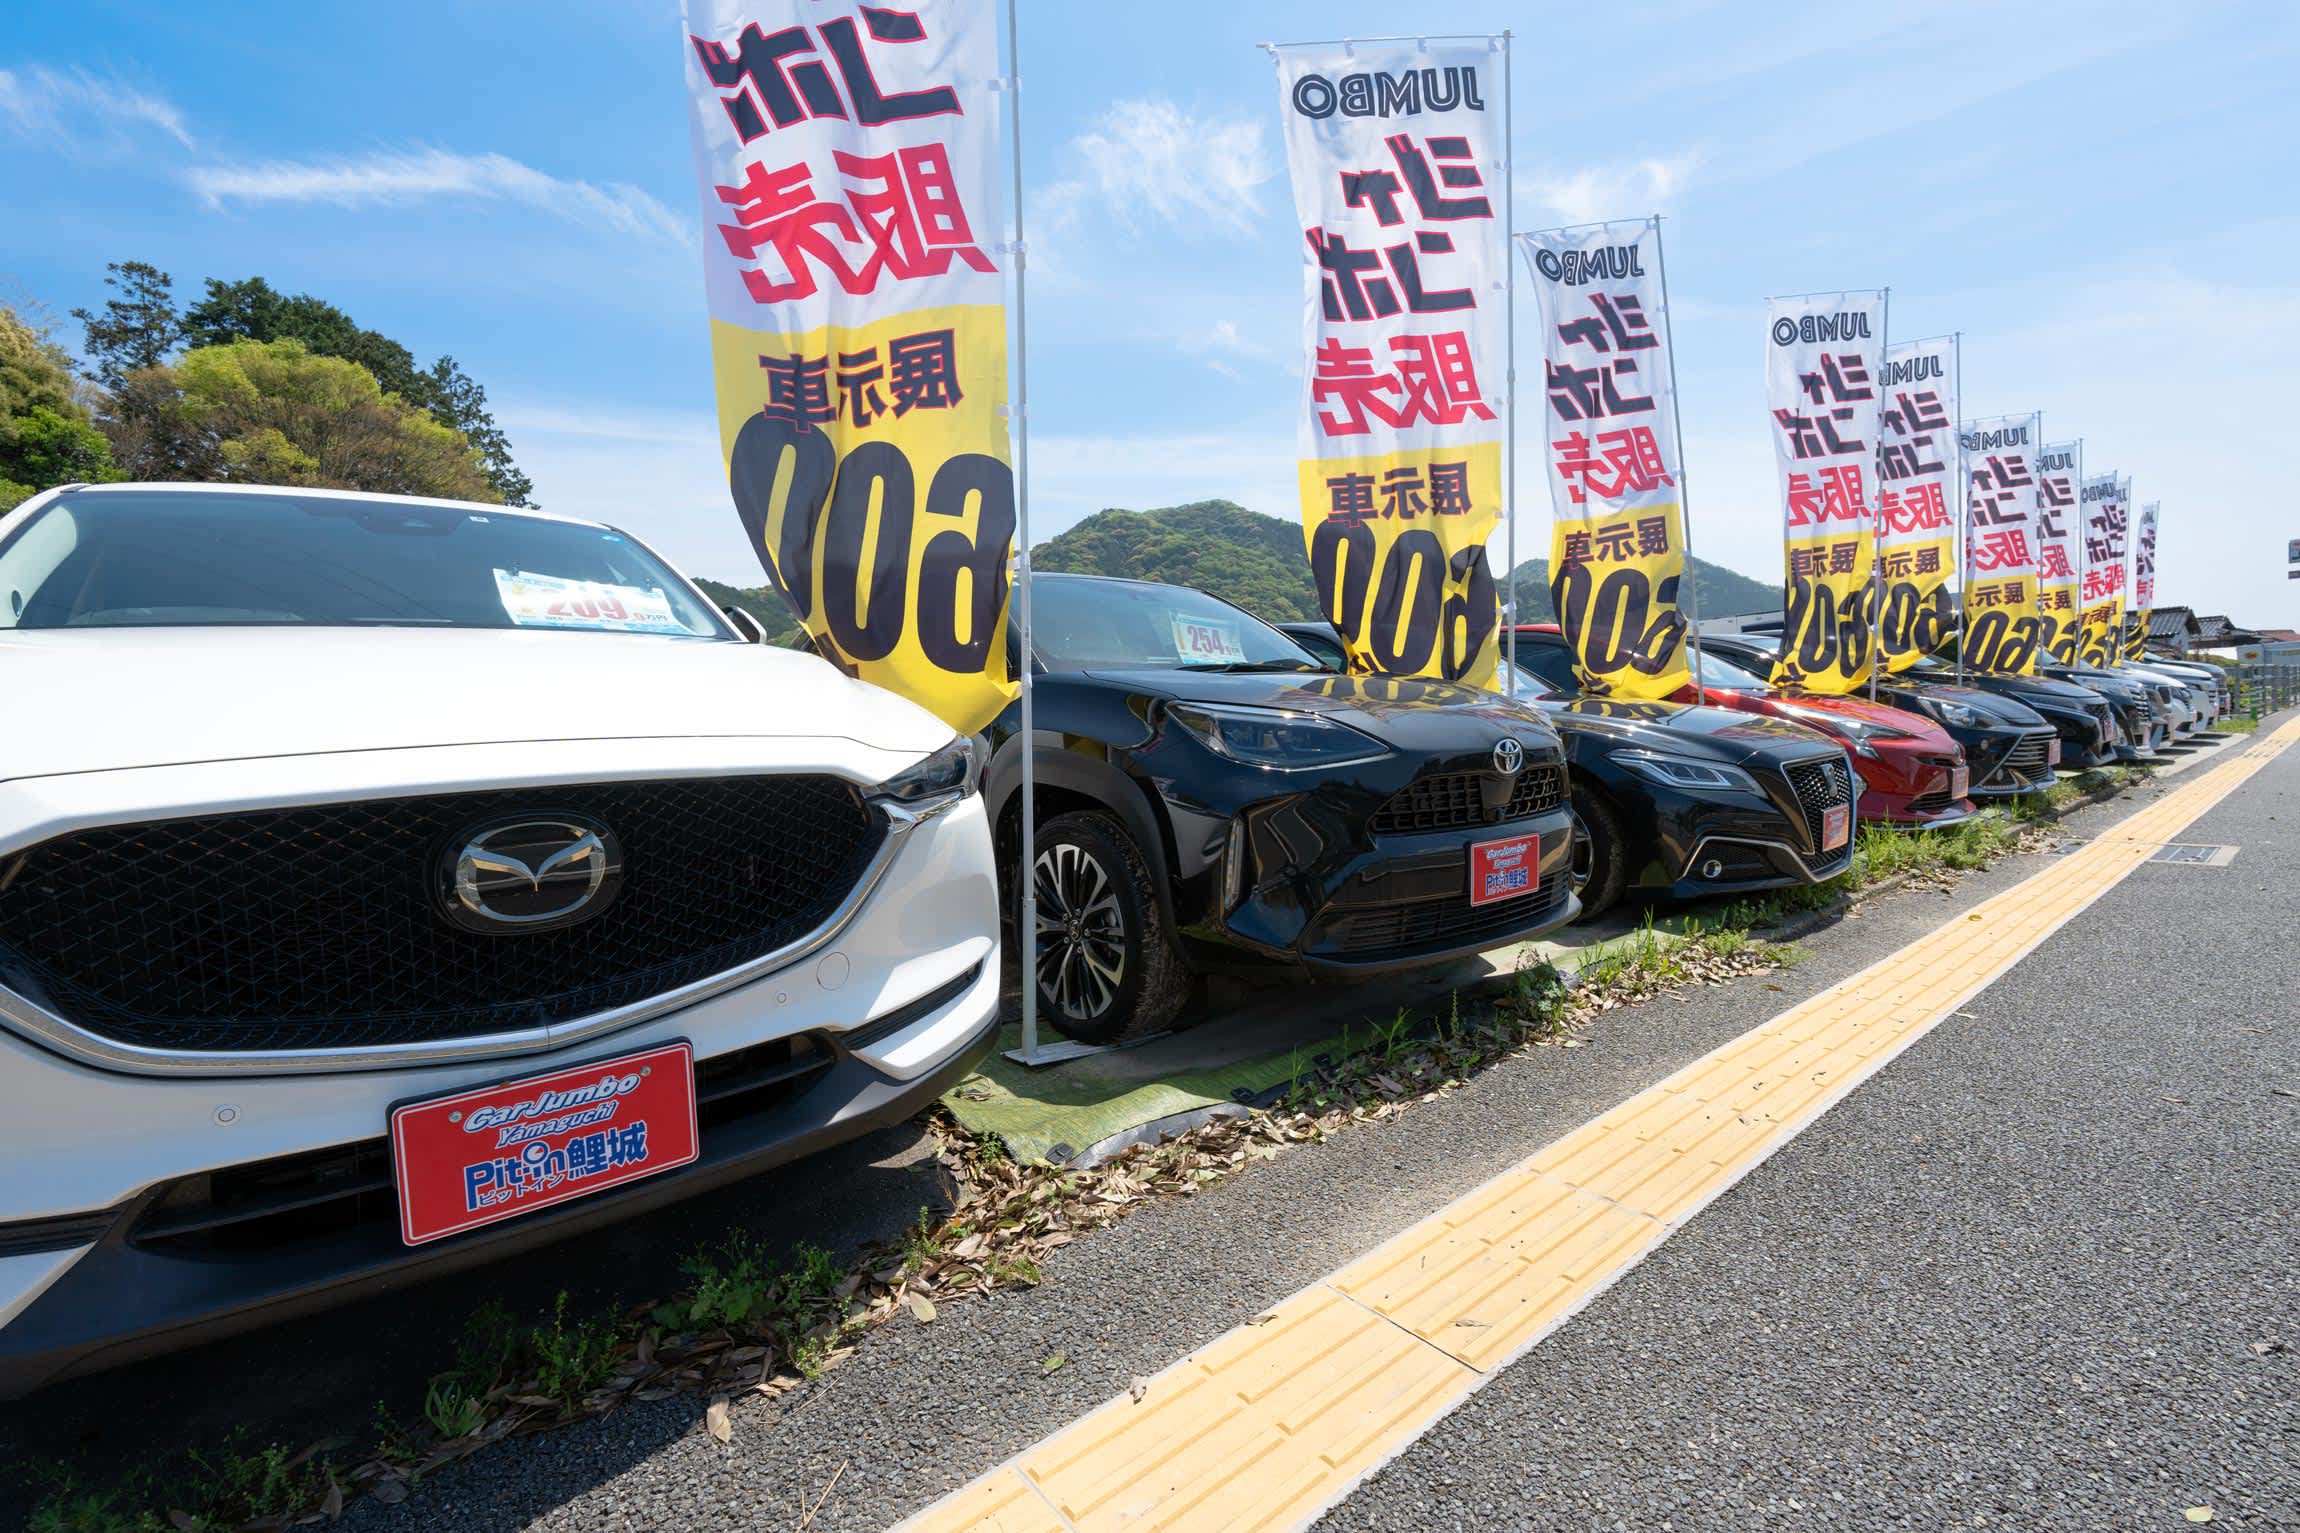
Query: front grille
point(1453, 800)
point(1820, 785)
point(2027, 764)
point(1940, 798)
point(273, 1205)
point(319, 927)
point(1426, 925)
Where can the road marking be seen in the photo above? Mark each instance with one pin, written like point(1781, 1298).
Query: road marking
point(1268, 1426)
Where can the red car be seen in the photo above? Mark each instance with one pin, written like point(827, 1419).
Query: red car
point(1911, 771)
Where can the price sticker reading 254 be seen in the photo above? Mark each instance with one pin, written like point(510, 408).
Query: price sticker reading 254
point(848, 167)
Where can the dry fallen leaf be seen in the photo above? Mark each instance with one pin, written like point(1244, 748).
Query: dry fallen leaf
point(720, 1420)
point(2198, 1514)
point(1480, 1324)
point(390, 1492)
point(921, 1306)
point(2266, 1348)
point(1139, 1388)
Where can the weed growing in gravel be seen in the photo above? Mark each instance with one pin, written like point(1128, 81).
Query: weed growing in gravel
point(573, 1358)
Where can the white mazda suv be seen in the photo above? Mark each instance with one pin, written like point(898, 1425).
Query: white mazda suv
point(386, 883)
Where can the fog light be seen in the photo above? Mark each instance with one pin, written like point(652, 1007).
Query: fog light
point(1713, 869)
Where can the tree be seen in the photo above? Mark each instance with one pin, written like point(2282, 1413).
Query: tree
point(45, 436)
point(136, 329)
point(273, 412)
point(253, 310)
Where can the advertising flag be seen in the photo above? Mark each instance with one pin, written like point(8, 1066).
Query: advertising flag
point(1617, 538)
point(2059, 548)
point(2143, 583)
point(2004, 631)
point(1397, 157)
point(1823, 356)
point(847, 156)
point(1916, 469)
point(2107, 521)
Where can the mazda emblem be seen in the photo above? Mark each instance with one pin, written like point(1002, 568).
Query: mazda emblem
point(530, 875)
point(1508, 756)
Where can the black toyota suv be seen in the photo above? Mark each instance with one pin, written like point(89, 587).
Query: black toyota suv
point(2008, 745)
point(1685, 801)
point(1211, 797)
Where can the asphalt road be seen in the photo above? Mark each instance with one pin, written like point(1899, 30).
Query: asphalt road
point(2007, 1281)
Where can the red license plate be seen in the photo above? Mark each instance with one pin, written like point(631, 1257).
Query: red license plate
point(2052, 754)
point(1960, 781)
point(499, 1151)
point(1836, 827)
point(1503, 870)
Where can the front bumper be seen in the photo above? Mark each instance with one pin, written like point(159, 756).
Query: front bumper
point(122, 1297)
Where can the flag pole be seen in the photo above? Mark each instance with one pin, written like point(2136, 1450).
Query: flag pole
point(1876, 535)
point(1689, 590)
point(1509, 610)
point(1027, 916)
point(1964, 498)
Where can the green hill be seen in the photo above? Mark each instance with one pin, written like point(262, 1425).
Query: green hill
point(1257, 561)
point(1252, 560)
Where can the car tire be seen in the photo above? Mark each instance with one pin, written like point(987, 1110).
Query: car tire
point(1109, 971)
point(1600, 868)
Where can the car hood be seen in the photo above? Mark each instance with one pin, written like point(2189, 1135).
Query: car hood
point(2110, 684)
point(2041, 691)
point(1884, 715)
point(88, 700)
point(1682, 728)
point(1403, 711)
point(2002, 711)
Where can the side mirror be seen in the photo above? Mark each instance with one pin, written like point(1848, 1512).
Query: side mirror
point(752, 630)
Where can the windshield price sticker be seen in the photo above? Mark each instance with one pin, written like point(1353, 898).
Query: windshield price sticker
point(1207, 643)
point(548, 601)
point(1503, 870)
point(479, 1156)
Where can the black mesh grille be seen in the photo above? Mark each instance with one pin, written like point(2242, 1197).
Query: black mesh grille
point(1424, 925)
point(1452, 800)
point(2027, 762)
point(1820, 785)
point(319, 927)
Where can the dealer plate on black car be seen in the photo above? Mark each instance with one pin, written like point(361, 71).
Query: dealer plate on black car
point(1503, 870)
point(1836, 826)
point(495, 1152)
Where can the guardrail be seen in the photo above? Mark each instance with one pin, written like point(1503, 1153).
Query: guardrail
point(2262, 688)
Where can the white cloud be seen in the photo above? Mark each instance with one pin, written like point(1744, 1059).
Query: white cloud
point(421, 175)
point(1151, 159)
point(82, 112)
point(1227, 350)
point(1628, 190)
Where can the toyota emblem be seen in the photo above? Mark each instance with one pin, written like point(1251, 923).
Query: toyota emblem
point(530, 875)
point(1508, 756)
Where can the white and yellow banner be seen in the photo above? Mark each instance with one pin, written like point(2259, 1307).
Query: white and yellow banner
point(1824, 353)
point(1916, 475)
point(1398, 165)
point(2107, 518)
point(2143, 583)
point(2003, 628)
point(2060, 548)
point(848, 162)
point(1611, 455)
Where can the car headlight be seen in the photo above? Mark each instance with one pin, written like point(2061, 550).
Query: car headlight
point(1687, 771)
point(1280, 738)
point(1953, 713)
point(951, 773)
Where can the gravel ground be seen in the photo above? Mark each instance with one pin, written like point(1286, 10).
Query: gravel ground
point(922, 1408)
point(2015, 1280)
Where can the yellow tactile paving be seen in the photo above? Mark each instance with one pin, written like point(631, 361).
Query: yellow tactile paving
point(1274, 1422)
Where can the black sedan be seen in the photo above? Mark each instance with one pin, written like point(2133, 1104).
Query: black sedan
point(2009, 747)
point(1211, 797)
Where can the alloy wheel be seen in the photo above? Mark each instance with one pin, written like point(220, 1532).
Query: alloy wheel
point(1081, 932)
point(1584, 857)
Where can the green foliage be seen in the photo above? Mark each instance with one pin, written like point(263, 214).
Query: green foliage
point(573, 1358)
point(274, 413)
point(761, 602)
point(45, 435)
point(1253, 561)
point(134, 330)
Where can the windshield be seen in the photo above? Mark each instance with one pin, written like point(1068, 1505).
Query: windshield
point(1726, 676)
point(129, 559)
point(1078, 625)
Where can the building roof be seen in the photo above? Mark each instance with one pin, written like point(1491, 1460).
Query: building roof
point(2172, 624)
point(2281, 635)
point(2216, 628)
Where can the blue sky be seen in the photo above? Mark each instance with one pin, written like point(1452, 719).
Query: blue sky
point(2098, 196)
